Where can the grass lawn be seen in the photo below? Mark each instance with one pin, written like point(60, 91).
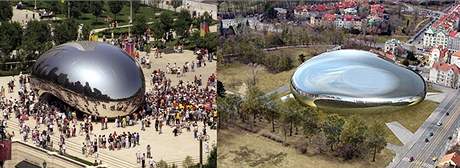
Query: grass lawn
point(410, 117)
point(242, 149)
point(233, 75)
point(383, 39)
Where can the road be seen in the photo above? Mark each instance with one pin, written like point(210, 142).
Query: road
point(424, 152)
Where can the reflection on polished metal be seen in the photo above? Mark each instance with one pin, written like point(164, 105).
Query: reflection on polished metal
point(96, 78)
point(354, 80)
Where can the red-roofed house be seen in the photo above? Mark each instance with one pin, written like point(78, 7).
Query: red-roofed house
point(445, 74)
point(438, 54)
point(377, 9)
point(455, 58)
point(450, 160)
point(329, 17)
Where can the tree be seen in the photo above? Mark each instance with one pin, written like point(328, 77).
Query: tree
point(176, 3)
point(376, 139)
point(140, 25)
point(162, 164)
point(294, 113)
point(75, 8)
point(270, 12)
point(96, 8)
point(38, 39)
point(115, 7)
point(157, 30)
point(212, 159)
point(272, 111)
point(65, 31)
point(228, 108)
point(353, 138)
point(86, 30)
point(136, 5)
point(253, 103)
point(167, 20)
point(6, 11)
point(220, 89)
point(301, 58)
point(188, 162)
point(182, 23)
point(310, 122)
point(332, 127)
point(10, 36)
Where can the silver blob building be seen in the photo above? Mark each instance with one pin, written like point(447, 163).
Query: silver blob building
point(96, 78)
point(354, 80)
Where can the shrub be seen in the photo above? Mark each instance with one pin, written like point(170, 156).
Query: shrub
point(278, 63)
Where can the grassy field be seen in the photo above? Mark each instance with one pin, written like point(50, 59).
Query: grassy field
point(243, 149)
point(410, 117)
point(234, 75)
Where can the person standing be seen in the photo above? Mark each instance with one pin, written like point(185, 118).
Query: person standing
point(149, 154)
point(143, 160)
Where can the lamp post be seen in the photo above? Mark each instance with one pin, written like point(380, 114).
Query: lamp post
point(130, 16)
point(201, 138)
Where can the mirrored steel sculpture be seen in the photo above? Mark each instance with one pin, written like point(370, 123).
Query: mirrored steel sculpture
point(96, 78)
point(354, 80)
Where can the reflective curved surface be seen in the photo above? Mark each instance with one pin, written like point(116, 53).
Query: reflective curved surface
point(96, 78)
point(355, 80)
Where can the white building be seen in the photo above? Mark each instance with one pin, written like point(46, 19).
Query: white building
point(438, 55)
point(391, 45)
point(445, 74)
point(435, 38)
point(455, 58)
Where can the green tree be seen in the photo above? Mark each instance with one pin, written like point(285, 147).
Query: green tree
point(10, 36)
point(38, 39)
point(270, 12)
point(212, 159)
point(182, 23)
point(75, 8)
point(167, 21)
point(253, 103)
point(220, 89)
point(310, 122)
point(115, 7)
point(157, 30)
point(332, 127)
point(353, 138)
point(272, 110)
point(301, 58)
point(136, 5)
point(176, 3)
point(96, 8)
point(140, 25)
point(85, 32)
point(65, 31)
point(162, 164)
point(293, 113)
point(376, 139)
point(228, 108)
point(6, 11)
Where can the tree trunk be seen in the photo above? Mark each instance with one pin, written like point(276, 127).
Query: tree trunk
point(296, 130)
point(290, 129)
point(273, 124)
point(375, 152)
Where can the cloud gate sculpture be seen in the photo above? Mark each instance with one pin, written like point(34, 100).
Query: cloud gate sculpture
point(96, 78)
point(354, 80)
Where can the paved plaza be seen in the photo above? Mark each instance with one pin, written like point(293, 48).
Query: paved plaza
point(166, 146)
